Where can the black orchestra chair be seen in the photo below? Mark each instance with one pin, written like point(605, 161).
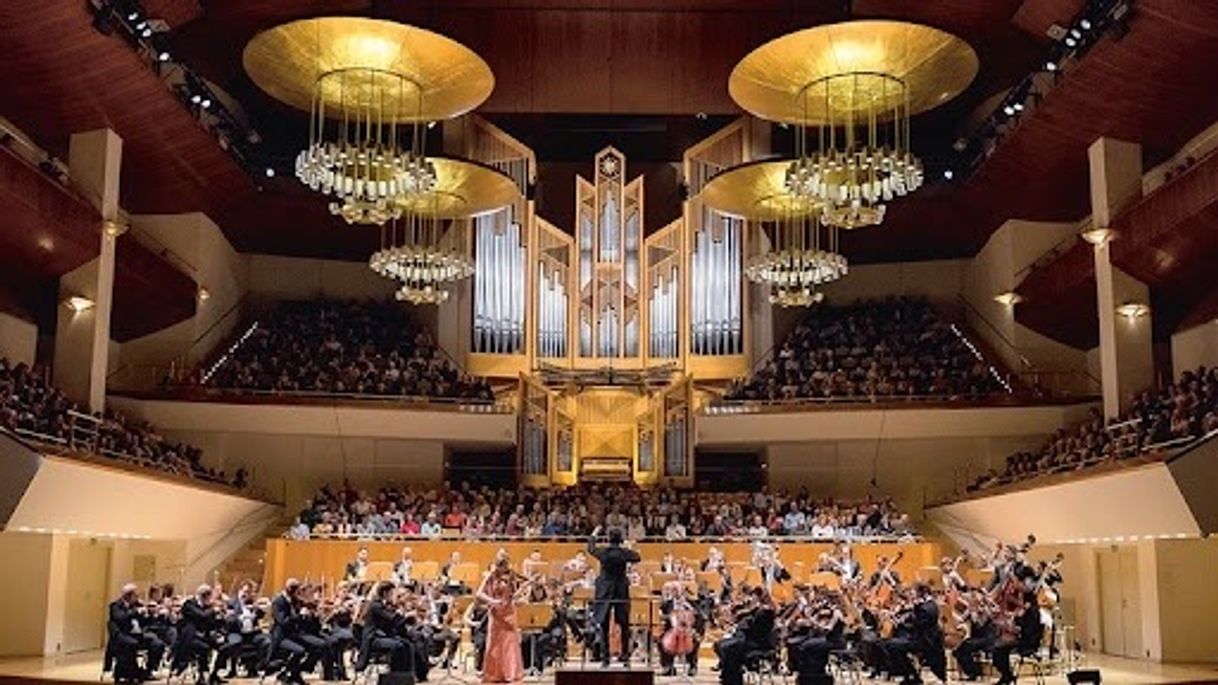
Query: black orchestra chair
point(762, 665)
point(846, 665)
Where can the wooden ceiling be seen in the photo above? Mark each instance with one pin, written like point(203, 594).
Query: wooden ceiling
point(563, 63)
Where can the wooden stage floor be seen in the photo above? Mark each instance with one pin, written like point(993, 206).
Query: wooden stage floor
point(85, 667)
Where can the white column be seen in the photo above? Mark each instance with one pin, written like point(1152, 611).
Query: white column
point(1126, 353)
point(82, 338)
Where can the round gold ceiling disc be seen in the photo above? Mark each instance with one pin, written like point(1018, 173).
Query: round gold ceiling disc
point(756, 190)
point(286, 61)
point(936, 66)
point(463, 189)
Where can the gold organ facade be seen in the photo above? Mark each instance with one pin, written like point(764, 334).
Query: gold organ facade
point(605, 325)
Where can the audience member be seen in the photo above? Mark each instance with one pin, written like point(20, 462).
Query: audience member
point(1187, 408)
point(892, 348)
point(38, 411)
point(359, 348)
point(576, 511)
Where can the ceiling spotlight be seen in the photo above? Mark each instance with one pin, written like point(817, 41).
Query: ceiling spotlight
point(431, 124)
point(948, 173)
point(204, 294)
point(1050, 66)
point(701, 116)
point(1085, 24)
point(1070, 42)
point(141, 26)
point(133, 16)
point(163, 56)
point(196, 98)
point(960, 144)
point(1133, 310)
point(270, 172)
point(206, 103)
point(146, 33)
point(1008, 110)
point(1008, 298)
point(1018, 106)
point(1076, 34)
point(78, 304)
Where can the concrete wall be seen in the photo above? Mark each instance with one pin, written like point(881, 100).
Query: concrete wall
point(18, 339)
point(1197, 346)
point(295, 278)
point(938, 281)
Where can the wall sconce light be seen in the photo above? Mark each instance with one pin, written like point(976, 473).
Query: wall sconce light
point(1133, 310)
point(113, 229)
point(204, 294)
point(79, 304)
point(1009, 298)
point(1098, 236)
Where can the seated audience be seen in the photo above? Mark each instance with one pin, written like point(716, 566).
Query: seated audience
point(576, 511)
point(38, 411)
point(357, 348)
point(1185, 409)
point(891, 348)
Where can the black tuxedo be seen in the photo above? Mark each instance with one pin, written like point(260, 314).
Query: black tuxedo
point(127, 633)
point(613, 593)
point(197, 635)
point(291, 636)
point(384, 633)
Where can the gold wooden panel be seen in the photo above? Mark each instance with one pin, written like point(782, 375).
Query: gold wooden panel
point(286, 61)
point(319, 560)
point(935, 65)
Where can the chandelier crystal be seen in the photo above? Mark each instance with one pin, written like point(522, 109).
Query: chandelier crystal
point(802, 256)
point(366, 144)
point(425, 253)
point(853, 154)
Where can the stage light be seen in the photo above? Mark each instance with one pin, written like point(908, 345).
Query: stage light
point(1008, 110)
point(1050, 66)
point(133, 16)
point(948, 173)
point(270, 172)
point(1070, 42)
point(196, 98)
point(1085, 24)
point(206, 103)
point(1075, 34)
point(431, 125)
point(146, 33)
point(79, 304)
point(141, 26)
point(163, 56)
point(1018, 106)
point(203, 294)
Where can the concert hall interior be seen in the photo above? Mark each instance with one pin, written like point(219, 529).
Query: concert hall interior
point(777, 342)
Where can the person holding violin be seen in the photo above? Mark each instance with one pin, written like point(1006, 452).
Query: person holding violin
point(815, 627)
point(503, 661)
point(752, 630)
point(683, 625)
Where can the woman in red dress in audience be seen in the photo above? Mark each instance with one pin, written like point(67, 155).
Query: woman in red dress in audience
point(503, 662)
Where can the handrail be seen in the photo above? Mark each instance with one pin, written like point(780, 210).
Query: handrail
point(200, 393)
point(1052, 254)
point(984, 400)
point(911, 538)
point(968, 306)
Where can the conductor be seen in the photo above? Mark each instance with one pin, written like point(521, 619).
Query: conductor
point(612, 590)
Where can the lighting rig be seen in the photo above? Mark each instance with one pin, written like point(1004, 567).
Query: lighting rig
point(1093, 22)
point(148, 37)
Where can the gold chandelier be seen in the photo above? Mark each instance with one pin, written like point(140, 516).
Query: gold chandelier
point(427, 247)
point(796, 252)
point(371, 88)
point(849, 91)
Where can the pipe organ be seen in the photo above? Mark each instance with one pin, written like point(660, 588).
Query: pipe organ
point(500, 255)
point(604, 309)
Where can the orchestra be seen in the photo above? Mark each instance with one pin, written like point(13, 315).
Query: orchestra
point(1002, 606)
